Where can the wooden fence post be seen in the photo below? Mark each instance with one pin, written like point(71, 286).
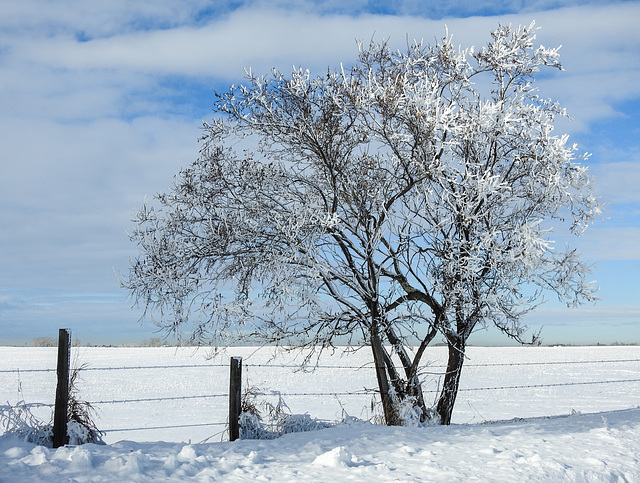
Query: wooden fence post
point(235, 398)
point(60, 437)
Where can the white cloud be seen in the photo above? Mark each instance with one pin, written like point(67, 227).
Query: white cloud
point(611, 243)
point(69, 192)
point(43, 19)
point(618, 182)
point(599, 51)
point(604, 314)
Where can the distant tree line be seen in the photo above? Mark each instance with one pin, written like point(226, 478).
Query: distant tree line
point(53, 342)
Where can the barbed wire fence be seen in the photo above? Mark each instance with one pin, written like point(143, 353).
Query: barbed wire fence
point(368, 393)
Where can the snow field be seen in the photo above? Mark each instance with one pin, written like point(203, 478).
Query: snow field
point(186, 418)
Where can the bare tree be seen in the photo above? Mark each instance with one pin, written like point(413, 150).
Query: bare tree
point(44, 342)
point(408, 196)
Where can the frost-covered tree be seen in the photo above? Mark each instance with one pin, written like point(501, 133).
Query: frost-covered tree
point(409, 196)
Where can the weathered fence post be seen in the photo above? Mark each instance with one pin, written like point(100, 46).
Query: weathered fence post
point(60, 437)
point(235, 398)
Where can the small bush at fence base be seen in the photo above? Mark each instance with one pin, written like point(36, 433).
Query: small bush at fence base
point(278, 420)
point(18, 420)
point(81, 427)
point(252, 427)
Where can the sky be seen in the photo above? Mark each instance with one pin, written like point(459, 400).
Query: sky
point(102, 103)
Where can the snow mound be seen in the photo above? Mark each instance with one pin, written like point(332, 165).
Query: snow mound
point(338, 457)
point(597, 447)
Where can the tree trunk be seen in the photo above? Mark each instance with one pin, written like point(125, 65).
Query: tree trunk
point(390, 413)
point(451, 379)
point(414, 389)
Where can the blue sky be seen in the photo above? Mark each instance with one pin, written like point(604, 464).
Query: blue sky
point(101, 104)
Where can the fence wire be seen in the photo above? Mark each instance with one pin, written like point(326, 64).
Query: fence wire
point(313, 367)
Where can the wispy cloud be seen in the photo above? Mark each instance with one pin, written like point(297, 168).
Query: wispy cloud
point(600, 45)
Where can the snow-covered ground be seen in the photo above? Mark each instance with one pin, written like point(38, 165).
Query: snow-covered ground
point(565, 430)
